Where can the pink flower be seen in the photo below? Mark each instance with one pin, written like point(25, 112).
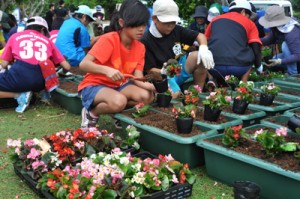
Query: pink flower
point(258, 132)
point(175, 179)
point(281, 131)
point(227, 77)
point(37, 164)
point(29, 143)
point(156, 162)
point(33, 153)
point(228, 98)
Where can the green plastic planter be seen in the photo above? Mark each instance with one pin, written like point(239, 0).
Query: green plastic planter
point(228, 166)
point(278, 118)
point(69, 101)
point(285, 87)
point(250, 119)
point(158, 141)
point(291, 112)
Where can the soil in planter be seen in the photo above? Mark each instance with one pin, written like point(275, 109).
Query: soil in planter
point(285, 160)
point(162, 121)
point(228, 109)
point(69, 87)
point(273, 120)
point(77, 71)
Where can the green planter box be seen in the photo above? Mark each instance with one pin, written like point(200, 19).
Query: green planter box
point(248, 119)
point(228, 166)
point(158, 141)
point(287, 88)
point(278, 118)
point(292, 82)
point(69, 101)
point(291, 112)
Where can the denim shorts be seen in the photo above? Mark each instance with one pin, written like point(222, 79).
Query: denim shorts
point(89, 93)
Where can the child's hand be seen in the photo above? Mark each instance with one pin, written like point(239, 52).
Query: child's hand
point(115, 75)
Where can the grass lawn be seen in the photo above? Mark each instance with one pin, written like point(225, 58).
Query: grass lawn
point(39, 120)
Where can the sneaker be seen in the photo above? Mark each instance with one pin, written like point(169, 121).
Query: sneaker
point(118, 124)
point(87, 120)
point(211, 85)
point(45, 96)
point(23, 101)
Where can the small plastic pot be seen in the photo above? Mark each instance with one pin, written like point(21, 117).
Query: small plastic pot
point(161, 86)
point(239, 106)
point(211, 114)
point(294, 122)
point(184, 125)
point(163, 100)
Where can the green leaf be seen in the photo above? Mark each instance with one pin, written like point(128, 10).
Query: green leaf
point(89, 149)
point(109, 194)
point(61, 193)
point(289, 146)
point(165, 183)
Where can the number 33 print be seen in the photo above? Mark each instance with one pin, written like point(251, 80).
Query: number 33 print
point(28, 52)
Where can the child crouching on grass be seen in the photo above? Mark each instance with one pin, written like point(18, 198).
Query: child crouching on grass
point(104, 89)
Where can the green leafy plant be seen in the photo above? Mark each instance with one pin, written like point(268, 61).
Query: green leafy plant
point(266, 51)
point(36, 157)
point(217, 99)
point(188, 110)
point(115, 175)
point(244, 91)
point(271, 141)
point(191, 95)
point(172, 68)
point(234, 136)
point(270, 89)
point(231, 79)
point(141, 110)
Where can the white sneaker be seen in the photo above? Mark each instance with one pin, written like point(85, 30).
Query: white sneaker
point(23, 101)
point(87, 120)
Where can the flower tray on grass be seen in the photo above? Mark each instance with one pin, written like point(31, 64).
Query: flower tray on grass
point(232, 164)
point(28, 180)
point(160, 137)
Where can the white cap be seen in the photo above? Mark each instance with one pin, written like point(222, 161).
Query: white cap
point(240, 4)
point(37, 21)
point(212, 13)
point(83, 9)
point(166, 11)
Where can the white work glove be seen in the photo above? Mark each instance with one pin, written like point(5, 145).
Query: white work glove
point(260, 69)
point(206, 57)
point(61, 72)
point(274, 62)
point(2, 70)
point(163, 70)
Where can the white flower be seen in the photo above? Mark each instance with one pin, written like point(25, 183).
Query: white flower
point(124, 160)
point(138, 178)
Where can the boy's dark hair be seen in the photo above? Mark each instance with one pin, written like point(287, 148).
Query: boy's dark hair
point(239, 10)
point(51, 5)
point(133, 12)
point(61, 3)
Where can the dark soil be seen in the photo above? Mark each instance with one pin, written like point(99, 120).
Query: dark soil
point(69, 87)
point(284, 160)
point(161, 122)
point(77, 71)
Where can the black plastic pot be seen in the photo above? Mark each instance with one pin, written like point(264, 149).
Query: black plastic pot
point(266, 99)
point(184, 125)
point(161, 86)
point(294, 122)
point(163, 100)
point(239, 106)
point(246, 190)
point(211, 114)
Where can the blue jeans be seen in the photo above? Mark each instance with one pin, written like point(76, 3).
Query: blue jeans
point(292, 67)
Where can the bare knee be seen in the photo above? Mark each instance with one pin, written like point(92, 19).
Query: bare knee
point(117, 104)
point(147, 97)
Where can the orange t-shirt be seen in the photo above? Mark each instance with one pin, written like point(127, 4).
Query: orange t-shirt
point(109, 51)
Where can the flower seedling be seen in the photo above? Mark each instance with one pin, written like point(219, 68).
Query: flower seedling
point(244, 91)
point(191, 95)
point(141, 110)
point(217, 99)
point(270, 89)
point(186, 111)
point(234, 136)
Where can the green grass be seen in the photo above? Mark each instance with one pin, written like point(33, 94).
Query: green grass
point(39, 120)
